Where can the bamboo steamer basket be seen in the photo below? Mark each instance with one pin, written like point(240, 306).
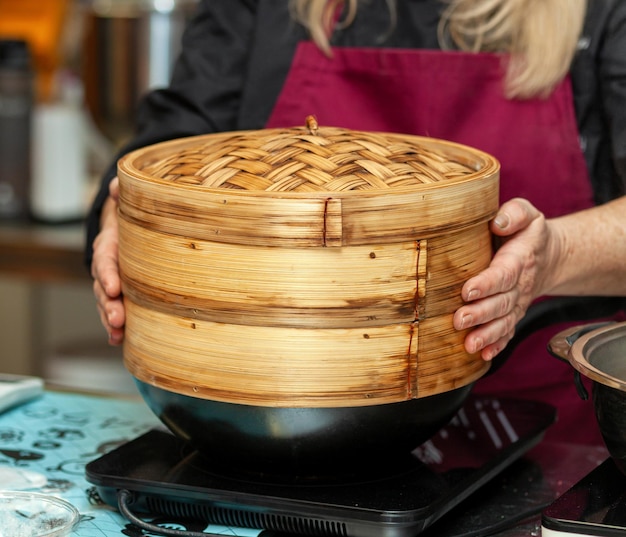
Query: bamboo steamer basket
point(303, 267)
point(289, 293)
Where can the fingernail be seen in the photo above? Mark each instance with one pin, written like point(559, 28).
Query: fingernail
point(466, 321)
point(473, 294)
point(502, 220)
point(478, 344)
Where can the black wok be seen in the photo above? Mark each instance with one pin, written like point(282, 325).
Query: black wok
point(307, 440)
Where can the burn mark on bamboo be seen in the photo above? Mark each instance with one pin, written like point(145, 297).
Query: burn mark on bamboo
point(416, 298)
point(409, 368)
point(421, 274)
point(418, 312)
point(325, 221)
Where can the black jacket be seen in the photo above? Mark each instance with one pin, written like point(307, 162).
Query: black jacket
point(236, 55)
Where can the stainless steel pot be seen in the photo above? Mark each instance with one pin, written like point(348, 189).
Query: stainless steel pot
point(130, 48)
point(598, 351)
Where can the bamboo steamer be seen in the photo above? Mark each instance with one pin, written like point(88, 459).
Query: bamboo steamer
point(307, 267)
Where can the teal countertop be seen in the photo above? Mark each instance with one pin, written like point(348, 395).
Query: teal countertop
point(57, 434)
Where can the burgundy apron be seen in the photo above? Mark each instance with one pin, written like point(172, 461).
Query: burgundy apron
point(458, 96)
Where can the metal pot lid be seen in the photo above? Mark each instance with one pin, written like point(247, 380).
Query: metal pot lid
point(600, 355)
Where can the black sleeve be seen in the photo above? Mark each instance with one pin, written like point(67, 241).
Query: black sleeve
point(205, 91)
point(613, 86)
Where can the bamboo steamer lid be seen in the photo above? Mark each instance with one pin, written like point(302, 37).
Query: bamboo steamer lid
point(303, 267)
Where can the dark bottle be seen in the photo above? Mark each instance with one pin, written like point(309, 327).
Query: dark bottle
point(16, 103)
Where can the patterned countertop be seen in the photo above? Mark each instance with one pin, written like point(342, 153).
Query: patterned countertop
point(53, 437)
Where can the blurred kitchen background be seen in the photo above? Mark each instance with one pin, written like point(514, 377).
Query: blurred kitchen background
point(71, 74)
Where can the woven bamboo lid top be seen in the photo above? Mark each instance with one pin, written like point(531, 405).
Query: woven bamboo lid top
point(309, 159)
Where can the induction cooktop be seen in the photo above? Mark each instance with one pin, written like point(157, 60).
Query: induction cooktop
point(159, 474)
point(595, 506)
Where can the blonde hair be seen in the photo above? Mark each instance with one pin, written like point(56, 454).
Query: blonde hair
point(540, 37)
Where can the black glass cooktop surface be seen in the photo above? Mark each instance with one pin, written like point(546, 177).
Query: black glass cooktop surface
point(596, 505)
point(161, 474)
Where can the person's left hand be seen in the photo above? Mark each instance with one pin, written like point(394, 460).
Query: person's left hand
point(498, 297)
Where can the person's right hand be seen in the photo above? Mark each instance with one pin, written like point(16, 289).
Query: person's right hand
point(107, 285)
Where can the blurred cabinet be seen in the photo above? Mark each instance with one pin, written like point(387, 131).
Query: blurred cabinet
point(47, 305)
point(43, 253)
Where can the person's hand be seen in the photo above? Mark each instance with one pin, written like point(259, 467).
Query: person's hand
point(498, 297)
point(107, 285)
